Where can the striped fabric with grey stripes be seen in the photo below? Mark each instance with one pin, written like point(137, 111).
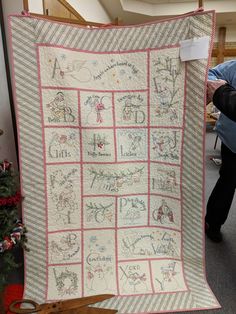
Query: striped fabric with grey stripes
point(28, 31)
point(31, 152)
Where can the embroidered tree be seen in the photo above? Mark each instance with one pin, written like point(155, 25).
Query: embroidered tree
point(12, 231)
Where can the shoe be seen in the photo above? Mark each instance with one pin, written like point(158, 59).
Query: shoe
point(213, 234)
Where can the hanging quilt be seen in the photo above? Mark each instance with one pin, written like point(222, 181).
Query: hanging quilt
point(111, 146)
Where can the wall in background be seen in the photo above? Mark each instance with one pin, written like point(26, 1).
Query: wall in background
point(10, 7)
point(231, 33)
point(7, 141)
point(36, 6)
point(90, 10)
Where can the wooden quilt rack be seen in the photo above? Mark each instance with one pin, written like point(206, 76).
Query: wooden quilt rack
point(80, 20)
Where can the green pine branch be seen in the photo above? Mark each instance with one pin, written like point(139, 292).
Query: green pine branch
point(9, 186)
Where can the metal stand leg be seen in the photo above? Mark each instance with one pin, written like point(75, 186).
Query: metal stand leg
point(216, 141)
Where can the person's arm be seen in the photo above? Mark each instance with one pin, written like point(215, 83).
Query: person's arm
point(224, 99)
point(224, 71)
point(214, 74)
point(212, 87)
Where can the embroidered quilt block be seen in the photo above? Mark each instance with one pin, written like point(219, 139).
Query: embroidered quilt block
point(109, 120)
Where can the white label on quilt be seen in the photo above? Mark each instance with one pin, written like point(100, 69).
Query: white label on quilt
point(194, 48)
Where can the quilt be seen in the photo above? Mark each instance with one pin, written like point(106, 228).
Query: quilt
point(111, 146)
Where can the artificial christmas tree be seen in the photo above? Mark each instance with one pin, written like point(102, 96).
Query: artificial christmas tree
point(12, 231)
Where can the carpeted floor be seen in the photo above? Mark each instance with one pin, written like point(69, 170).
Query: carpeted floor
point(220, 258)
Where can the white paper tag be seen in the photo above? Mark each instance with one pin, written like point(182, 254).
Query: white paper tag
point(195, 48)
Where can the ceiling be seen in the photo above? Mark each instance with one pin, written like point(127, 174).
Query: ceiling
point(141, 11)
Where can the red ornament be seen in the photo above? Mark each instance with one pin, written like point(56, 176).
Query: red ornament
point(7, 243)
point(5, 165)
point(11, 200)
point(15, 236)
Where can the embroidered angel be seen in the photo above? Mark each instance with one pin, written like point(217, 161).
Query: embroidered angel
point(59, 110)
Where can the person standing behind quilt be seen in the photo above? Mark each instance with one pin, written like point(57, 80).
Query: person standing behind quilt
point(224, 98)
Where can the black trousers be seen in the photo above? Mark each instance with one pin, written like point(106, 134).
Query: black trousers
point(221, 197)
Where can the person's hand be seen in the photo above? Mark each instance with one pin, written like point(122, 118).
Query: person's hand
point(212, 87)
